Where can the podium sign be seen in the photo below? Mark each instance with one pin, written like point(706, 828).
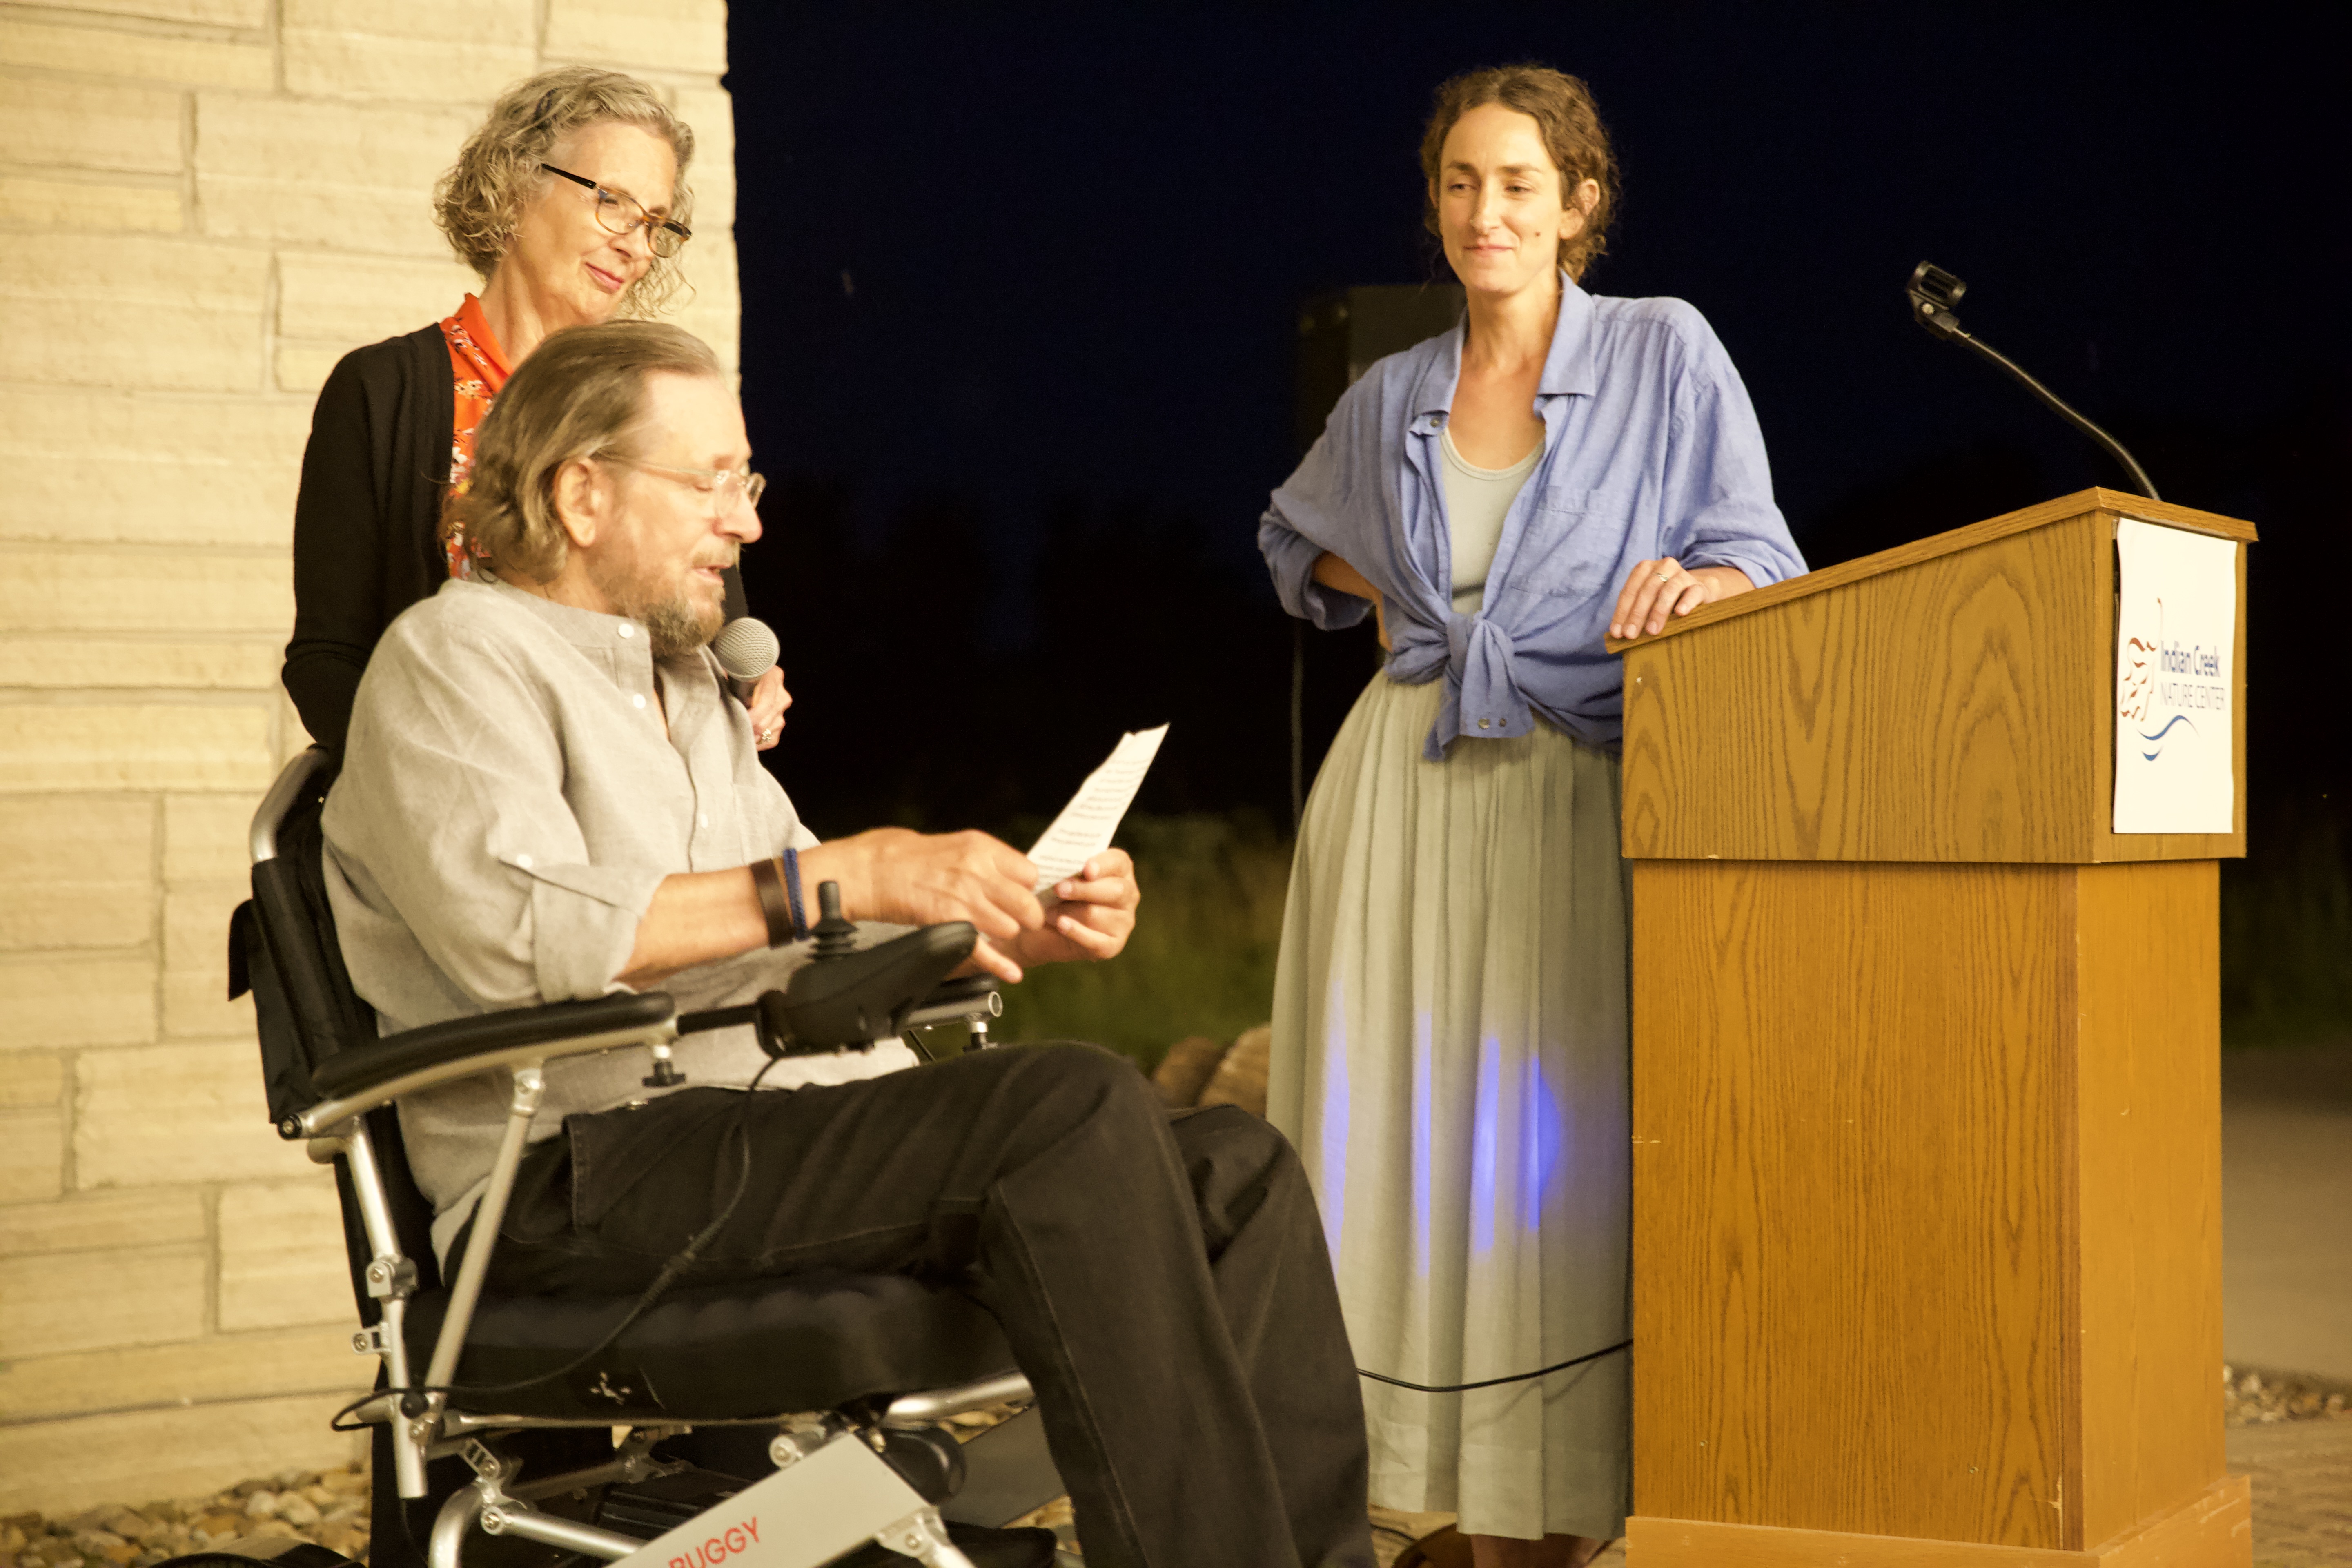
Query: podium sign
point(1925, 1077)
point(2175, 641)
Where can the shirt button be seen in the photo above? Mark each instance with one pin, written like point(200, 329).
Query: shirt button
point(705, 819)
point(1481, 723)
point(638, 700)
point(523, 861)
point(628, 631)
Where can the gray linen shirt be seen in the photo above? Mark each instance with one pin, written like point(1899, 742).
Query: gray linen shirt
point(507, 807)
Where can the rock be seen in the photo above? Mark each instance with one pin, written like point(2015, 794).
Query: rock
point(297, 1509)
point(278, 1527)
point(12, 1540)
point(352, 1540)
point(262, 1505)
point(319, 1495)
point(221, 1526)
point(1186, 1069)
point(1240, 1078)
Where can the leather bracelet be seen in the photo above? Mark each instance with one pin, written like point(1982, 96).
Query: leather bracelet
point(774, 905)
point(793, 891)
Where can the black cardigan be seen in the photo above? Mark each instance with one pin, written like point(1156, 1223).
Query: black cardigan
point(367, 521)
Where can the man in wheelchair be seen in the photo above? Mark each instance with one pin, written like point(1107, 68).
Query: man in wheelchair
point(547, 797)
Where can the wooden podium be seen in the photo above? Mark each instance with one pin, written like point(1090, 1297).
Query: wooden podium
point(1927, 1104)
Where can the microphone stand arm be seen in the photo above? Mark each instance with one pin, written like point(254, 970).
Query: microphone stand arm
point(1937, 317)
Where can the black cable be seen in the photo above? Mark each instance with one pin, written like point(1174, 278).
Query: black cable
point(1492, 1381)
point(2114, 446)
point(684, 1258)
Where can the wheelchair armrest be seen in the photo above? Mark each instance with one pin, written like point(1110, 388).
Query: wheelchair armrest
point(365, 1076)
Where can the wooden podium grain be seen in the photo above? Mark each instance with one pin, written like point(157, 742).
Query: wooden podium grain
point(1926, 1107)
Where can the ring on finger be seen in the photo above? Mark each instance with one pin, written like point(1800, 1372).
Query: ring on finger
point(1667, 577)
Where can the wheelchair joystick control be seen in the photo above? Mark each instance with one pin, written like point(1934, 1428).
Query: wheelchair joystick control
point(835, 937)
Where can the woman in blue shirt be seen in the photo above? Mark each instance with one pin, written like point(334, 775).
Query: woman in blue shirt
point(1450, 1010)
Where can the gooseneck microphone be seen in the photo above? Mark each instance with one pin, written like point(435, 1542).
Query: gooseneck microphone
point(746, 650)
point(1934, 292)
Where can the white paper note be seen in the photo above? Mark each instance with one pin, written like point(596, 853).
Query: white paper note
point(1085, 824)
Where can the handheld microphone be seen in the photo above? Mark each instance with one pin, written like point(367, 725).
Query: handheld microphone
point(746, 650)
point(1935, 291)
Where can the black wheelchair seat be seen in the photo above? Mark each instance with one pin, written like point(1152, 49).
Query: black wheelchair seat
point(722, 1353)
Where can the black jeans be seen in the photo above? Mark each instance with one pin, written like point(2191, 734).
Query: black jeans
point(1162, 1279)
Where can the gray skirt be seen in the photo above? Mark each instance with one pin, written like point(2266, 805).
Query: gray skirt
point(1449, 1058)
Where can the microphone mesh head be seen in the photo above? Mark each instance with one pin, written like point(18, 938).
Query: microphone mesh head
point(745, 648)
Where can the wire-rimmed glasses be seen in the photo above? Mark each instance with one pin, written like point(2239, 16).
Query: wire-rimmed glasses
point(625, 216)
point(725, 487)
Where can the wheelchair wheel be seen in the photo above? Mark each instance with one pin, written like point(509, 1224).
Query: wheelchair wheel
point(262, 1551)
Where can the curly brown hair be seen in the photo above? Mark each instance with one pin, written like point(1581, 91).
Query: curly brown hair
point(1562, 108)
point(479, 201)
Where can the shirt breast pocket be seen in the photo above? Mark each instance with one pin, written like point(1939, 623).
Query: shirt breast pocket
point(1572, 539)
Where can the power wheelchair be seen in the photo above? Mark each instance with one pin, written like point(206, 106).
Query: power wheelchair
point(784, 1422)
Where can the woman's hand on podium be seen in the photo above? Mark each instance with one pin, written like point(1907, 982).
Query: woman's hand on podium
point(1656, 589)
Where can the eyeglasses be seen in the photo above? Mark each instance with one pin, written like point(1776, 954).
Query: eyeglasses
point(625, 216)
point(726, 487)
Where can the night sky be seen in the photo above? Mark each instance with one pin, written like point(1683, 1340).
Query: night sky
point(1020, 287)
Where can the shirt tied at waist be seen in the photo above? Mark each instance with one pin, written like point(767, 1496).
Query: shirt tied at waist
point(1482, 698)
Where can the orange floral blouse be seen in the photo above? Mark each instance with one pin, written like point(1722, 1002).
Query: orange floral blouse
point(479, 367)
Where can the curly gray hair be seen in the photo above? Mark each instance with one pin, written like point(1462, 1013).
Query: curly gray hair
point(479, 201)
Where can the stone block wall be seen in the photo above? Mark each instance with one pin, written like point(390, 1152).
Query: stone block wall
point(203, 205)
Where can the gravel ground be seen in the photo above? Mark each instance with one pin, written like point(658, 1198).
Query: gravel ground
point(2252, 1396)
point(330, 1508)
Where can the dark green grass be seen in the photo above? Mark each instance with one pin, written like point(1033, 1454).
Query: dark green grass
point(1202, 959)
point(2286, 932)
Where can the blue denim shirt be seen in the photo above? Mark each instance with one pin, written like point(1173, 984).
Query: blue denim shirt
point(1651, 448)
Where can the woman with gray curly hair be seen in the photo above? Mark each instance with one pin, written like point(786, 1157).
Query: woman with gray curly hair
point(570, 204)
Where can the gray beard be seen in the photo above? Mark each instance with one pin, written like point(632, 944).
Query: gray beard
point(677, 627)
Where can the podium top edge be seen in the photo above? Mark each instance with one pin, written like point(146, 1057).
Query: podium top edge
point(2064, 508)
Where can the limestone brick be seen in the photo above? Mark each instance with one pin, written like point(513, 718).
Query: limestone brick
point(129, 312)
point(79, 870)
point(92, 465)
point(90, 125)
point(667, 34)
point(713, 311)
point(147, 1116)
point(345, 176)
point(58, 1466)
point(204, 838)
point(30, 1078)
point(77, 589)
point(30, 202)
point(215, 746)
point(317, 1360)
point(371, 65)
point(58, 1001)
point(80, 662)
point(98, 1222)
point(512, 24)
point(347, 300)
point(145, 57)
point(32, 1155)
point(304, 367)
point(710, 111)
point(281, 1258)
point(86, 1301)
point(195, 961)
point(248, 14)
